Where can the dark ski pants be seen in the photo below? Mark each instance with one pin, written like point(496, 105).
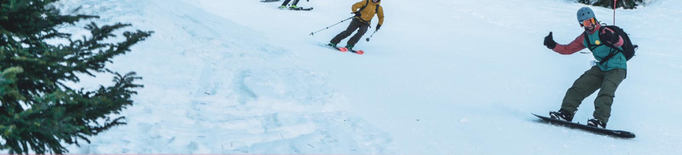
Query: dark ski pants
point(355, 24)
point(587, 84)
point(287, 2)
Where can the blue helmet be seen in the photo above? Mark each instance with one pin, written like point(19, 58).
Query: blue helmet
point(585, 13)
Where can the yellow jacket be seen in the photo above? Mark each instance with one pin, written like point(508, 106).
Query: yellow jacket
point(368, 12)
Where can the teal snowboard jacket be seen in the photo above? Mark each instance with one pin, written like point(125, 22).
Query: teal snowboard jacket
point(599, 52)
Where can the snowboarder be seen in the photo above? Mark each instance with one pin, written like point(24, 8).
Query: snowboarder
point(286, 2)
point(364, 12)
point(605, 76)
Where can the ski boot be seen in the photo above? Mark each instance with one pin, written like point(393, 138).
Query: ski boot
point(333, 45)
point(283, 7)
point(561, 115)
point(596, 123)
point(347, 48)
point(293, 7)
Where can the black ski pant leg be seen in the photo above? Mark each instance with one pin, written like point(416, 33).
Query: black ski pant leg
point(355, 24)
point(295, 2)
point(363, 29)
point(286, 2)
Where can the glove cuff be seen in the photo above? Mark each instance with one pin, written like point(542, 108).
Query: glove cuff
point(552, 45)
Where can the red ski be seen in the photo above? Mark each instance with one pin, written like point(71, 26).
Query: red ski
point(344, 49)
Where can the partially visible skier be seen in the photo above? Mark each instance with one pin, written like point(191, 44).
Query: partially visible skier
point(286, 2)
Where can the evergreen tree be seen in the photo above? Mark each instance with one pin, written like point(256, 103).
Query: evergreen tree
point(627, 4)
point(38, 112)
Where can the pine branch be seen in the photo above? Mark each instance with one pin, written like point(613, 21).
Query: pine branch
point(39, 112)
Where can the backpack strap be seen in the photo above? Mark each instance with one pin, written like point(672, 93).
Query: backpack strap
point(593, 46)
point(377, 9)
point(606, 43)
point(363, 7)
point(589, 42)
point(611, 53)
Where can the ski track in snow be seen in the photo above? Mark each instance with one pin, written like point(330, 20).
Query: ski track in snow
point(213, 86)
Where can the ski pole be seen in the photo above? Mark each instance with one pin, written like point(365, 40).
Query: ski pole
point(614, 11)
point(370, 36)
point(313, 33)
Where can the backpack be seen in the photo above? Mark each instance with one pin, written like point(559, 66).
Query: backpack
point(628, 48)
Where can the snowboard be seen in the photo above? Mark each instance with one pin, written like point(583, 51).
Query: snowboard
point(344, 49)
point(608, 132)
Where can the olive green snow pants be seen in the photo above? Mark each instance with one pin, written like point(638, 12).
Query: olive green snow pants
point(588, 83)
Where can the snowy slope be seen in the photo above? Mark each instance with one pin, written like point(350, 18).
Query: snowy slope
point(213, 86)
point(441, 77)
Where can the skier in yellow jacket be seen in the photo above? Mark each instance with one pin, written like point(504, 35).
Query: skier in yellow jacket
point(364, 12)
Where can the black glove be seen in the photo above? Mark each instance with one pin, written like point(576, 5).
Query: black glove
point(549, 41)
point(609, 37)
point(378, 27)
point(357, 14)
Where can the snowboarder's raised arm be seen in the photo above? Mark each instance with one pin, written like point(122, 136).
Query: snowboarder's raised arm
point(575, 46)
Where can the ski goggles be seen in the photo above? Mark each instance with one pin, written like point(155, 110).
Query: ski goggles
point(587, 22)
